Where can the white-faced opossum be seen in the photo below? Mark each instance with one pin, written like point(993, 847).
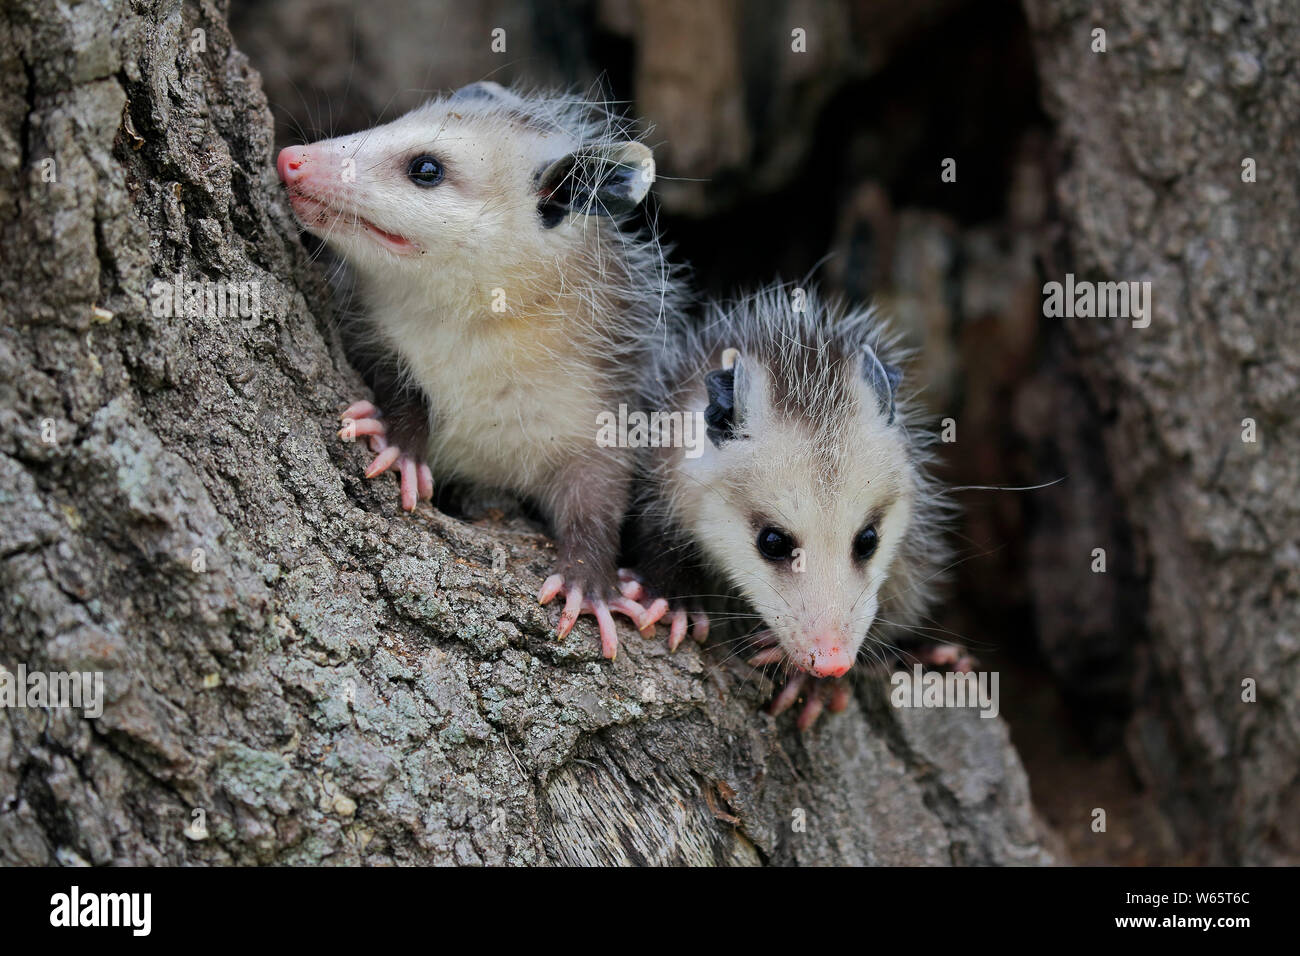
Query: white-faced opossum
point(507, 302)
point(811, 500)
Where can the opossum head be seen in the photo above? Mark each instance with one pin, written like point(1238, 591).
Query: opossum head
point(814, 493)
point(476, 186)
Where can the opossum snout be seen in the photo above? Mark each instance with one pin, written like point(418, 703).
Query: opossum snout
point(314, 170)
point(292, 164)
point(830, 655)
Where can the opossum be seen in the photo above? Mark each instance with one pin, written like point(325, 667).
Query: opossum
point(812, 500)
point(508, 301)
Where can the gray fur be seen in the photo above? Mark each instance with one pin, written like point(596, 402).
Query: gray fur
point(810, 361)
point(883, 379)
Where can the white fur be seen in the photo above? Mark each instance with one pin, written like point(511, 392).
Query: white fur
point(818, 474)
point(515, 393)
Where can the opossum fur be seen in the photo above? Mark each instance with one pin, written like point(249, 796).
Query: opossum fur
point(823, 442)
point(508, 302)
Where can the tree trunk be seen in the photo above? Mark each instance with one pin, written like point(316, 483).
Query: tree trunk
point(295, 671)
point(1156, 133)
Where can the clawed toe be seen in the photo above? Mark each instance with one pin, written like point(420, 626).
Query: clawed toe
point(550, 588)
point(788, 695)
point(680, 619)
point(383, 461)
point(360, 409)
point(577, 603)
point(951, 656)
point(362, 419)
point(818, 694)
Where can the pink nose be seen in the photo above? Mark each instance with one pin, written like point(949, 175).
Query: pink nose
point(291, 164)
point(831, 656)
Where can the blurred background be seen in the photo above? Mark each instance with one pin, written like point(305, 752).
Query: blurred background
point(775, 161)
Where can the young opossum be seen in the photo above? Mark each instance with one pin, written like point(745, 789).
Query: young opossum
point(486, 231)
point(811, 499)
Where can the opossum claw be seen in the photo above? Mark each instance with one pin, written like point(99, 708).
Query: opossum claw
point(789, 694)
point(383, 461)
point(812, 709)
point(602, 609)
point(359, 410)
point(364, 426)
point(679, 620)
point(677, 628)
point(605, 623)
point(407, 468)
point(572, 608)
point(633, 588)
point(654, 611)
point(630, 608)
point(362, 418)
point(952, 656)
point(550, 588)
point(819, 694)
point(769, 655)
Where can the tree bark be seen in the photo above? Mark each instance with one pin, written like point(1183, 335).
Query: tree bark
point(320, 676)
point(1154, 133)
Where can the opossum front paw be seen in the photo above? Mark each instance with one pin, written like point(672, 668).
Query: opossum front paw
point(680, 617)
point(954, 657)
point(817, 693)
point(363, 418)
point(580, 599)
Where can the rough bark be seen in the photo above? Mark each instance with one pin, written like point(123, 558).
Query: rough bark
point(326, 678)
point(1154, 133)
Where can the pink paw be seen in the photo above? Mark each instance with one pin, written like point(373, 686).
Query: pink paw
point(949, 656)
point(679, 618)
point(363, 418)
point(818, 693)
point(603, 609)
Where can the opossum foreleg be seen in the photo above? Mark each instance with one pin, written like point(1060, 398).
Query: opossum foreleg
point(586, 507)
point(680, 617)
point(400, 438)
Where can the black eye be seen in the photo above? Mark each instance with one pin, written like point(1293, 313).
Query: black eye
point(775, 544)
point(864, 545)
point(425, 171)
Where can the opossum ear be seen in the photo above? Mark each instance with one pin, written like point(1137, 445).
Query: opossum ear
point(483, 90)
point(602, 181)
point(727, 388)
point(720, 414)
point(883, 380)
